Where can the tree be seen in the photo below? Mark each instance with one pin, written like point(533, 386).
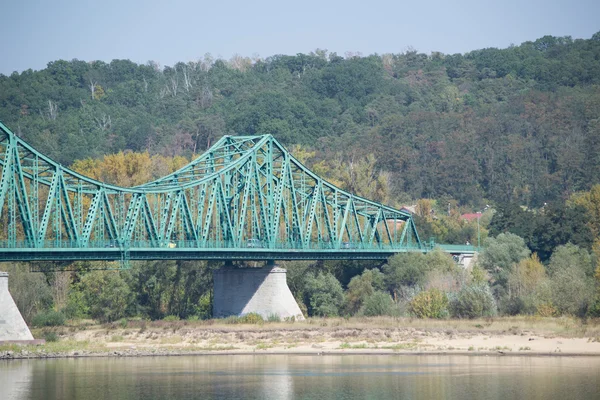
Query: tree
point(361, 287)
point(324, 295)
point(570, 258)
point(500, 254)
point(475, 301)
point(107, 295)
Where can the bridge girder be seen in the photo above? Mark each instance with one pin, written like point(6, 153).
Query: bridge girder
point(245, 195)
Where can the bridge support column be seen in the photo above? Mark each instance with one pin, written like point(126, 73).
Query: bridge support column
point(240, 291)
point(12, 325)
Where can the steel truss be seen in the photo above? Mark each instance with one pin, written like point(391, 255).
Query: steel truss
point(246, 198)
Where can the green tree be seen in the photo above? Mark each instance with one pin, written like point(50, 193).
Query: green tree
point(107, 295)
point(500, 254)
point(361, 287)
point(475, 301)
point(324, 295)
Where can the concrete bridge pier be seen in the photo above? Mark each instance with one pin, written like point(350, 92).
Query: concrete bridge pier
point(12, 325)
point(240, 291)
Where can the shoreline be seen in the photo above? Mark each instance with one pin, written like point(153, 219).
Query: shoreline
point(142, 354)
point(518, 336)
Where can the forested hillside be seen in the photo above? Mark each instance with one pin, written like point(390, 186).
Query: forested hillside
point(520, 124)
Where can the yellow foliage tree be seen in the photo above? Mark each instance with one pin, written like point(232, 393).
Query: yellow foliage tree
point(591, 201)
point(526, 276)
point(128, 168)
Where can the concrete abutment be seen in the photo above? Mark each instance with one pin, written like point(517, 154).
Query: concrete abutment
point(264, 291)
point(12, 325)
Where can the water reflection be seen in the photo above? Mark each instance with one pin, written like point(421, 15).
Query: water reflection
point(15, 379)
point(302, 377)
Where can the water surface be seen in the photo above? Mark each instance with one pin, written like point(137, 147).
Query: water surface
point(303, 377)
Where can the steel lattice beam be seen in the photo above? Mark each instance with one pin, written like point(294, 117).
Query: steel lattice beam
point(247, 197)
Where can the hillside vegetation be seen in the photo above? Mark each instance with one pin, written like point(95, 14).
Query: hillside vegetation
point(519, 124)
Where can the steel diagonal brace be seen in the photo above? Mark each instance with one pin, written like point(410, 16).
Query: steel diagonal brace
point(47, 210)
point(279, 195)
point(68, 215)
point(91, 216)
point(174, 212)
point(132, 216)
point(109, 218)
point(374, 226)
point(311, 214)
point(23, 200)
point(343, 224)
point(6, 168)
point(226, 225)
point(187, 218)
point(262, 209)
point(208, 217)
point(165, 216)
point(149, 221)
point(244, 210)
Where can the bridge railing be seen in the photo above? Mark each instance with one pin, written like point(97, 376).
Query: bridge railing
point(174, 245)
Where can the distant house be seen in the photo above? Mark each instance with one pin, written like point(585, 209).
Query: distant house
point(470, 217)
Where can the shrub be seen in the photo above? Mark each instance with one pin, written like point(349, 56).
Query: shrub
point(48, 318)
point(571, 291)
point(594, 308)
point(50, 336)
point(325, 295)
point(431, 303)
point(474, 302)
point(378, 303)
point(171, 318)
point(546, 310)
point(274, 318)
point(106, 295)
point(251, 318)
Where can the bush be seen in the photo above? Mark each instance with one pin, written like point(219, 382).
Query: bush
point(274, 318)
point(325, 295)
point(251, 318)
point(594, 308)
point(571, 291)
point(474, 302)
point(431, 303)
point(50, 336)
point(378, 303)
point(106, 295)
point(48, 318)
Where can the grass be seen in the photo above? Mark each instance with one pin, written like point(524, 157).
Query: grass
point(62, 346)
point(347, 345)
point(175, 339)
point(401, 346)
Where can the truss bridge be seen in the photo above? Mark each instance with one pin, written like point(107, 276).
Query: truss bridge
point(245, 198)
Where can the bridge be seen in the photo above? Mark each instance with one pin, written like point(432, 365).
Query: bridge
point(245, 198)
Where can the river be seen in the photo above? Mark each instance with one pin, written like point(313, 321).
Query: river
point(303, 377)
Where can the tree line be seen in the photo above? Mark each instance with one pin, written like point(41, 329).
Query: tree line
point(513, 125)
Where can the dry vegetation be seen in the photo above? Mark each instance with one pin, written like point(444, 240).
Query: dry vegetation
point(519, 335)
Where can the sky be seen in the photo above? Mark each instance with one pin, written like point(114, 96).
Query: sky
point(35, 32)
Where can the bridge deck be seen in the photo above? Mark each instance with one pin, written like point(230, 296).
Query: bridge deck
point(185, 250)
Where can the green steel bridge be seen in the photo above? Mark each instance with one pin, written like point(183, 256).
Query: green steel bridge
point(245, 198)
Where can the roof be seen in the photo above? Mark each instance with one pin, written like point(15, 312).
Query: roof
point(471, 216)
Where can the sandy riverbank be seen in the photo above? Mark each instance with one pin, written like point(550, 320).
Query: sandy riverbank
point(503, 336)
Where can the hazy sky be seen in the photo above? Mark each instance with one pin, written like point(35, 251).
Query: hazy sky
point(32, 33)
